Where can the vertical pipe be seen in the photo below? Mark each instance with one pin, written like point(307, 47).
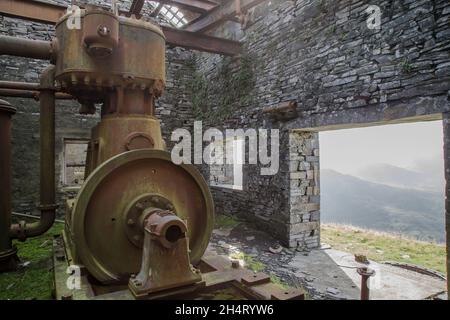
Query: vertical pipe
point(8, 257)
point(446, 126)
point(365, 274)
point(47, 161)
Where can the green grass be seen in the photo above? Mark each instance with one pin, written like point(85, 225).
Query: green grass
point(379, 246)
point(33, 281)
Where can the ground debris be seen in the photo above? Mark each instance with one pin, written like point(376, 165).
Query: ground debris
point(276, 250)
point(333, 291)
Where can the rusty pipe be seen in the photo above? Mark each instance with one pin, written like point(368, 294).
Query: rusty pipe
point(47, 205)
point(19, 85)
point(21, 93)
point(8, 257)
point(365, 274)
point(27, 48)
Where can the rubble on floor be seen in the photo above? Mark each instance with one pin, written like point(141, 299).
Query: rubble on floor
point(324, 273)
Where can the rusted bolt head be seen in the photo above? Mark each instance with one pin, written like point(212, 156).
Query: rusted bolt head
point(155, 200)
point(130, 222)
point(140, 206)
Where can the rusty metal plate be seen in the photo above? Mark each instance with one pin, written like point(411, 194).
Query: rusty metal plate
point(100, 212)
point(255, 279)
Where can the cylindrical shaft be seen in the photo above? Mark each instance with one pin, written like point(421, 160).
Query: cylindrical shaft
point(365, 293)
point(20, 93)
point(365, 274)
point(8, 256)
point(36, 49)
point(19, 85)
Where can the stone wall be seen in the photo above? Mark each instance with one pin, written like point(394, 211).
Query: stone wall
point(304, 224)
point(174, 109)
point(322, 54)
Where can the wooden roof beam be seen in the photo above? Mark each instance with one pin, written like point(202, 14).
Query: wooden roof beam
point(215, 17)
point(49, 14)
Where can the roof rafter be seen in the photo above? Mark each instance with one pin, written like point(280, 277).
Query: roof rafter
point(49, 14)
point(226, 11)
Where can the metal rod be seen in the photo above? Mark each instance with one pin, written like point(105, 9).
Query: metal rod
point(47, 206)
point(30, 216)
point(8, 257)
point(365, 274)
point(20, 93)
point(19, 85)
point(36, 49)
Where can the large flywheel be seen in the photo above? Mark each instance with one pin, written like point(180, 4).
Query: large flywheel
point(108, 211)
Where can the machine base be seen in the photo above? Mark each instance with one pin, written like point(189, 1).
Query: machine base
point(222, 280)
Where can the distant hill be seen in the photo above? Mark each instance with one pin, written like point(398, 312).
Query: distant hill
point(349, 200)
point(431, 180)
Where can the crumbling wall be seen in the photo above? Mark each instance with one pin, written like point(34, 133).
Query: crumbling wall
point(342, 73)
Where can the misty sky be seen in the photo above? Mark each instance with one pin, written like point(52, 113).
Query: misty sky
point(412, 146)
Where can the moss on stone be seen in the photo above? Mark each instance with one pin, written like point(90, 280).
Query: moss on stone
point(216, 96)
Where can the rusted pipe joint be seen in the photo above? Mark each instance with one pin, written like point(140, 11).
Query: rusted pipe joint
point(165, 227)
point(47, 205)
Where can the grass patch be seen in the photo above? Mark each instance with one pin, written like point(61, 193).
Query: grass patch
point(224, 222)
point(250, 263)
point(276, 280)
point(33, 281)
point(379, 246)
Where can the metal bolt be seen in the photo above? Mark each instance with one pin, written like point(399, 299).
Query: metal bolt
point(155, 200)
point(235, 264)
point(139, 206)
point(130, 222)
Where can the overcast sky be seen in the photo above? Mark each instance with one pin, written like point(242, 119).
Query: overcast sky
point(402, 145)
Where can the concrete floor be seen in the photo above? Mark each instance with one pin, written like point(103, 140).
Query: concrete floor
point(334, 272)
point(325, 273)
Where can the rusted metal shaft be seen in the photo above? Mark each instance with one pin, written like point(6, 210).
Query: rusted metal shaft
point(20, 47)
point(47, 206)
point(8, 256)
point(19, 85)
point(20, 93)
point(365, 274)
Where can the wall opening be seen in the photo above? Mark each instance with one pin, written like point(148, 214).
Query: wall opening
point(382, 186)
point(223, 173)
point(74, 160)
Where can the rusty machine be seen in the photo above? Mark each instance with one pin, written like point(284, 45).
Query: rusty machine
point(140, 225)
